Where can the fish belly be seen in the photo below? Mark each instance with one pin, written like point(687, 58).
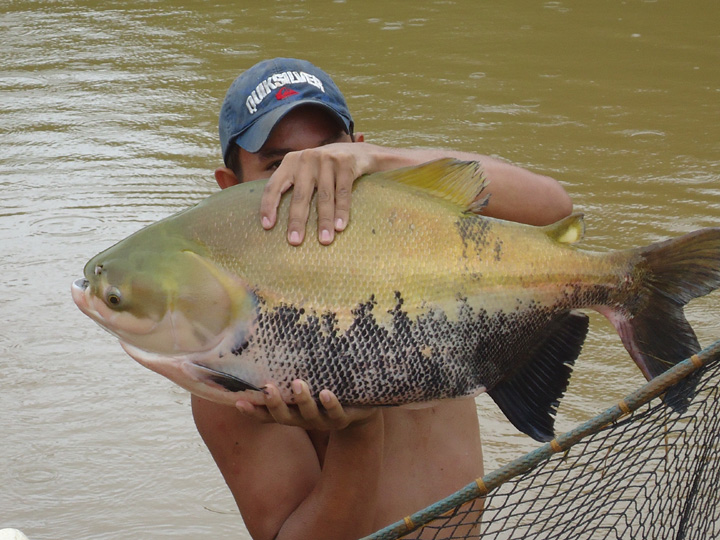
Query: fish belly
point(388, 357)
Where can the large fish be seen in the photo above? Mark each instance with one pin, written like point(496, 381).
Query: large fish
point(419, 299)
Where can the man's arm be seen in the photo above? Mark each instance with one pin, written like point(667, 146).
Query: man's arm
point(281, 486)
point(516, 194)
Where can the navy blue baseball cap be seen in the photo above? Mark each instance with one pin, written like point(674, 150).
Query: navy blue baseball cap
point(259, 98)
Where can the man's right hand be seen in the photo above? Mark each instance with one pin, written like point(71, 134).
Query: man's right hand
point(304, 412)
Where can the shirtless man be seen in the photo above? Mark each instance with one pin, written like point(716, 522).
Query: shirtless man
point(320, 471)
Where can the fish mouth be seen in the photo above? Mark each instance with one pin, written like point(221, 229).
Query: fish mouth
point(84, 300)
point(81, 283)
point(78, 290)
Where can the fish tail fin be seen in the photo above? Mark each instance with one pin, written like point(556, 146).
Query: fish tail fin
point(529, 397)
point(652, 324)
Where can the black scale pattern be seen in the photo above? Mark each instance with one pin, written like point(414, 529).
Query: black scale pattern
point(408, 360)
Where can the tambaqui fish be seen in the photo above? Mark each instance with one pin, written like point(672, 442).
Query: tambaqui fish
point(421, 298)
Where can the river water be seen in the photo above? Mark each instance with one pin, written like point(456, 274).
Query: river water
point(108, 122)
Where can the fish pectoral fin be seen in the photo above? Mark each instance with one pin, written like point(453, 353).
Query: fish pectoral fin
point(231, 383)
point(529, 397)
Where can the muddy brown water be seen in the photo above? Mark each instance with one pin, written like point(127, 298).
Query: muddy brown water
point(108, 122)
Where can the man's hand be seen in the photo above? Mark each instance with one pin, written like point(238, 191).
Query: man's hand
point(331, 169)
point(516, 194)
point(304, 411)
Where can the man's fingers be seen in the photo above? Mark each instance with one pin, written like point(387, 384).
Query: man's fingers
point(326, 202)
point(329, 170)
point(303, 188)
point(298, 214)
point(333, 408)
point(343, 193)
point(259, 413)
point(275, 187)
point(277, 408)
point(304, 411)
point(305, 403)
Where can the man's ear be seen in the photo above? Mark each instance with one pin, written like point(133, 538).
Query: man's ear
point(225, 177)
point(358, 137)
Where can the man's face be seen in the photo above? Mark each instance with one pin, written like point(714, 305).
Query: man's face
point(302, 128)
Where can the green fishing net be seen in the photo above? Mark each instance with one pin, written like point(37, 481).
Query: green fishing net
point(638, 471)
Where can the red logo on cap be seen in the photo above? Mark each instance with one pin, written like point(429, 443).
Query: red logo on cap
point(285, 92)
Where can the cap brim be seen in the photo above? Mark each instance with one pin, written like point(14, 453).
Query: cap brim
point(253, 138)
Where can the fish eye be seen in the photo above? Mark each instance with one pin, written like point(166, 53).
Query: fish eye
point(113, 298)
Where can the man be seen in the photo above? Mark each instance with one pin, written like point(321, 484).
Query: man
point(314, 471)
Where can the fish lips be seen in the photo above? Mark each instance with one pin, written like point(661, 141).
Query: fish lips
point(81, 284)
point(80, 291)
point(79, 296)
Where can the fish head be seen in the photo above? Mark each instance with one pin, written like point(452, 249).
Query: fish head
point(166, 299)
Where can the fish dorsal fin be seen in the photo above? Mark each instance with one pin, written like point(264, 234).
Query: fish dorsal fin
point(568, 230)
point(459, 182)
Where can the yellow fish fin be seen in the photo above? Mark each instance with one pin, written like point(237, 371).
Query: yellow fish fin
point(568, 230)
point(459, 182)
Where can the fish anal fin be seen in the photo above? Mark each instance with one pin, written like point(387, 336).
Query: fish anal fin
point(459, 182)
point(529, 397)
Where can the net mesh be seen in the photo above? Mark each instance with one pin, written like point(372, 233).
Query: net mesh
point(638, 470)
